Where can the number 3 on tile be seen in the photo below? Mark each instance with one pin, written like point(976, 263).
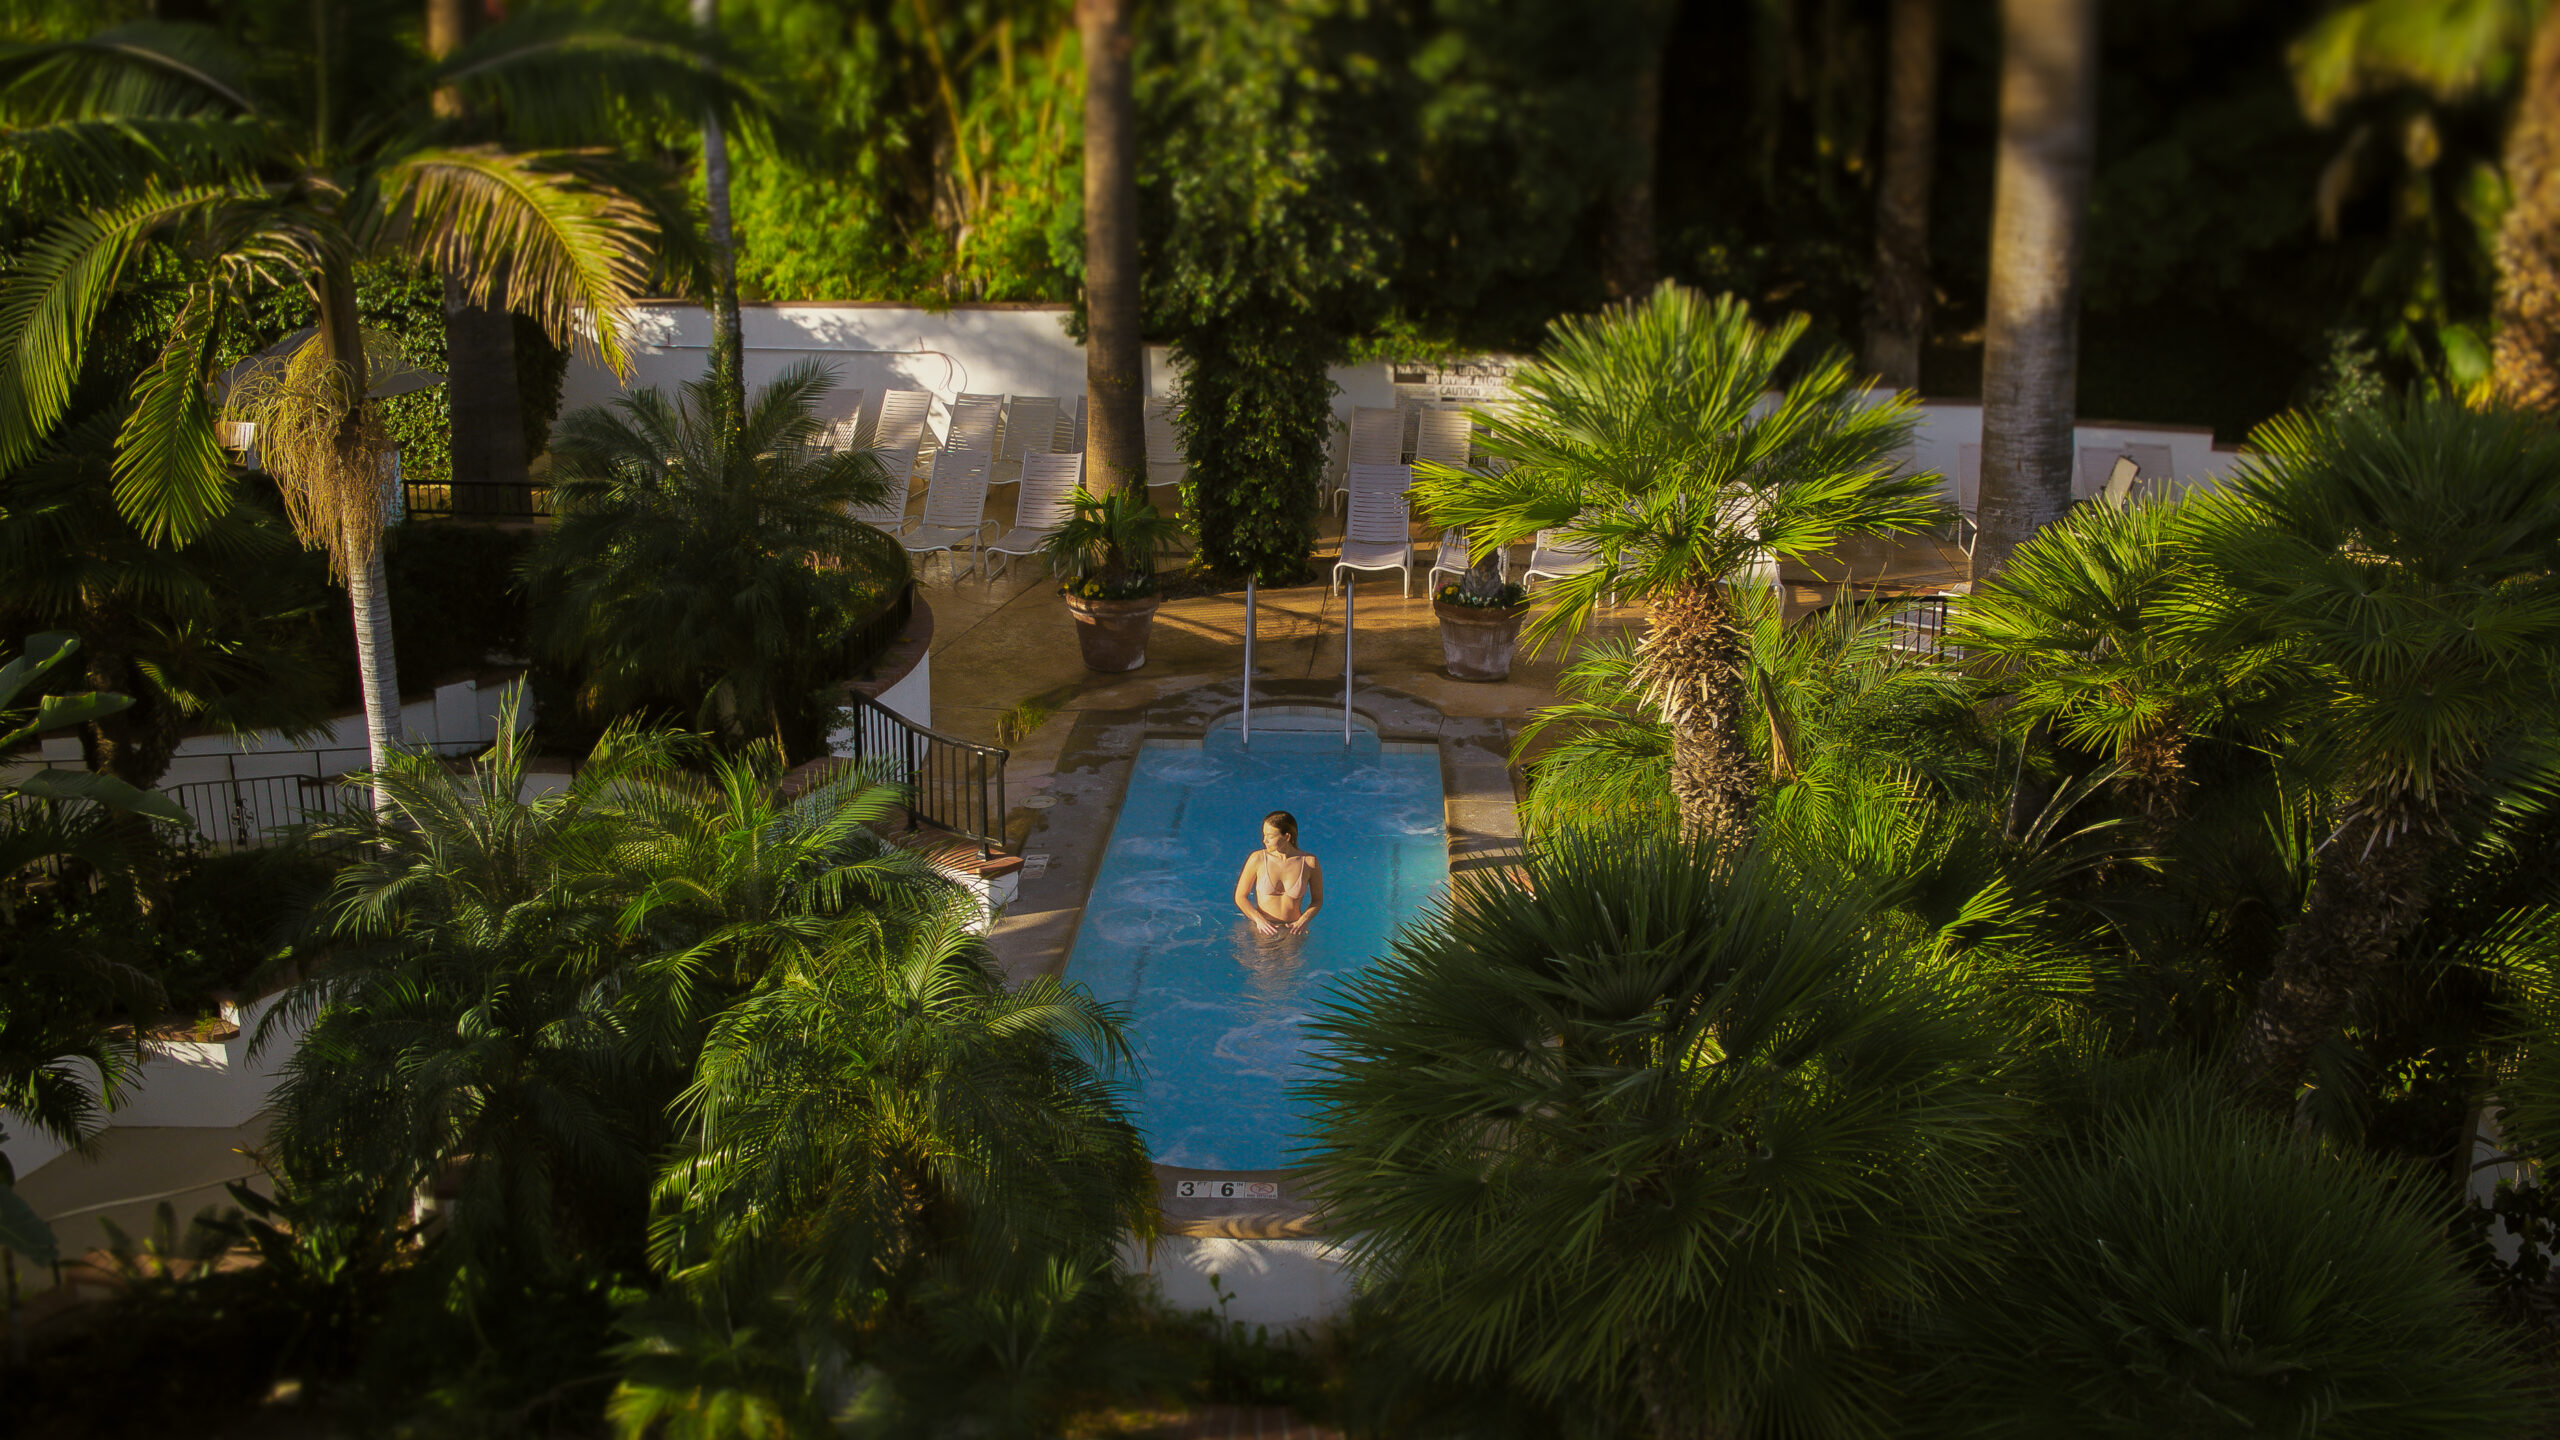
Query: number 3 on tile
point(1226, 1190)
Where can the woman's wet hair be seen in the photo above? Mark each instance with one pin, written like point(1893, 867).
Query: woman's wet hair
point(1284, 822)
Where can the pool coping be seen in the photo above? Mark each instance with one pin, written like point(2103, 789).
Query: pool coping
point(1479, 808)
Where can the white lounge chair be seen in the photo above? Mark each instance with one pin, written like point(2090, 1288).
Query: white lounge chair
point(1378, 535)
point(1030, 428)
point(897, 433)
point(889, 512)
point(1376, 438)
point(1166, 463)
point(1447, 436)
point(1552, 558)
point(955, 508)
point(1452, 559)
point(1076, 441)
point(976, 423)
point(1049, 482)
point(844, 426)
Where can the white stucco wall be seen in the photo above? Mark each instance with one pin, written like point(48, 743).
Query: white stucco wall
point(1285, 1284)
point(912, 696)
point(1026, 351)
point(454, 719)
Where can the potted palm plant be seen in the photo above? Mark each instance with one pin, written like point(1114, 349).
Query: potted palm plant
point(1108, 549)
point(1480, 621)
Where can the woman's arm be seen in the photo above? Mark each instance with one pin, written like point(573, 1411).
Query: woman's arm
point(1244, 896)
point(1315, 896)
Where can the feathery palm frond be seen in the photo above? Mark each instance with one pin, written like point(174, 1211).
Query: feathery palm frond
point(709, 568)
point(1657, 1122)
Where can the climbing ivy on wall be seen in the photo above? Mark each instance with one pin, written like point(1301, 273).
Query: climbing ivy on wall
point(1264, 203)
point(1257, 411)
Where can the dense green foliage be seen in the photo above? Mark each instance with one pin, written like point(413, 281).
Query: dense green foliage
point(708, 567)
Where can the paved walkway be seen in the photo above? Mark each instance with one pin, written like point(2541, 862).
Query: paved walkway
point(1000, 643)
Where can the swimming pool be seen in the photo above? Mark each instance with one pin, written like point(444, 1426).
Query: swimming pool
point(1218, 1015)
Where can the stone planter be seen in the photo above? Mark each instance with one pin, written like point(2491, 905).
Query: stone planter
point(1477, 643)
point(1113, 633)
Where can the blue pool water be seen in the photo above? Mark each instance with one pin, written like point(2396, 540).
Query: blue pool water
point(1219, 1015)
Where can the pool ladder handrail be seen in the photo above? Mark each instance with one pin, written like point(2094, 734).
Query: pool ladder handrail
point(1245, 727)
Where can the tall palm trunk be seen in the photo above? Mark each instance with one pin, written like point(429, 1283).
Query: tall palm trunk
point(1115, 360)
point(728, 340)
point(479, 340)
point(2527, 346)
point(360, 550)
point(1629, 257)
point(2369, 890)
point(1898, 315)
point(2040, 201)
point(1697, 669)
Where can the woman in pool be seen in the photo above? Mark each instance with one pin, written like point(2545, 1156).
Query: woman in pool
point(1282, 887)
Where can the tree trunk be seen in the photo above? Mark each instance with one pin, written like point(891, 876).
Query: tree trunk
point(481, 392)
point(1696, 666)
point(2527, 315)
point(479, 340)
point(1115, 359)
point(728, 341)
point(368, 595)
point(1898, 316)
point(2040, 201)
point(2364, 901)
point(1629, 259)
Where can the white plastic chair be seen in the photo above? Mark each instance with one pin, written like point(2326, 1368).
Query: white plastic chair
point(897, 432)
point(1376, 438)
point(846, 426)
point(1076, 443)
point(889, 512)
point(955, 508)
point(1378, 534)
point(1049, 482)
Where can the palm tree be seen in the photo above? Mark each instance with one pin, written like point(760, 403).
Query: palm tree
point(705, 561)
point(728, 338)
point(1654, 1122)
point(2087, 631)
point(1629, 257)
point(1898, 314)
point(1115, 346)
point(1640, 434)
point(515, 987)
point(891, 1107)
point(2454, 51)
point(2179, 1272)
point(2040, 201)
point(2402, 555)
point(292, 163)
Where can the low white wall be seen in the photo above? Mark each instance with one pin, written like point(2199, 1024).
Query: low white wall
point(183, 1084)
point(454, 719)
point(912, 696)
point(1025, 350)
point(1285, 1284)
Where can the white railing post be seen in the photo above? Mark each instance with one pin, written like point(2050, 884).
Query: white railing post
point(1350, 586)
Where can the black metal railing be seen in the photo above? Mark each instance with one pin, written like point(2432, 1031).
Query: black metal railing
point(241, 814)
point(1919, 626)
point(950, 783)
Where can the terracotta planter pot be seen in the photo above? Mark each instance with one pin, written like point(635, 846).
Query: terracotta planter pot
point(1113, 633)
point(1477, 644)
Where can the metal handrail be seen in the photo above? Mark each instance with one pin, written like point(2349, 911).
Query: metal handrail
point(950, 783)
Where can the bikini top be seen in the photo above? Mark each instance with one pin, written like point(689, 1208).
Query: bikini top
point(1270, 886)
